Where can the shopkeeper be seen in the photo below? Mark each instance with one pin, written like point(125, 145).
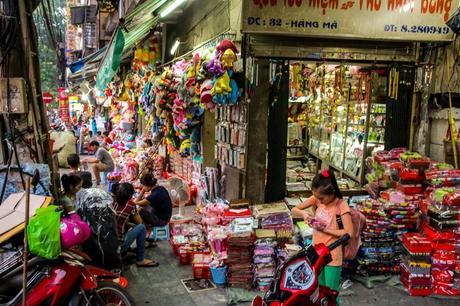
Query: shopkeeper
point(102, 161)
point(331, 221)
point(156, 208)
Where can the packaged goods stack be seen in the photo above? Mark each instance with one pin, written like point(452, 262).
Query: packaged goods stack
point(240, 253)
point(442, 175)
point(408, 187)
point(240, 247)
point(383, 172)
point(182, 166)
point(380, 250)
point(443, 229)
point(402, 209)
point(264, 258)
point(444, 211)
point(275, 216)
point(444, 262)
point(186, 239)
point(416, 265)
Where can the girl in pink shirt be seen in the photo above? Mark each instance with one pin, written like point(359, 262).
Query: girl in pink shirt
point(331, 221)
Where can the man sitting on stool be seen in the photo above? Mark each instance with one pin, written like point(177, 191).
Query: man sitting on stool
point(156, 208)
point(102, 161)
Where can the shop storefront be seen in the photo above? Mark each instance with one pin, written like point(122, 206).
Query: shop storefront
point(251, 119)
point(341, 83)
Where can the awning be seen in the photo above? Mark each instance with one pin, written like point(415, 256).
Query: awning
point(137, 24)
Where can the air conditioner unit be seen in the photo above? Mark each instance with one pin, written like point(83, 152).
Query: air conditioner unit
point(17, 96)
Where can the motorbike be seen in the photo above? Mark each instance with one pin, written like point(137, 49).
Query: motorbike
point(67, 280)
point(296, 280)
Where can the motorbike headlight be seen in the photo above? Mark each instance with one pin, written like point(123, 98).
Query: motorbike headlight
point(298, 276)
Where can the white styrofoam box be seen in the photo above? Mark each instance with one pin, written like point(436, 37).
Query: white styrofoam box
point(437, 152)
point(444, 113)
point(439, 130)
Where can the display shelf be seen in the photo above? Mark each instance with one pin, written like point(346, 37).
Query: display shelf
point(345, 107)
point(296, 157)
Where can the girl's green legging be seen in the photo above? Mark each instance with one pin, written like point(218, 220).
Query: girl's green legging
point(330, 277)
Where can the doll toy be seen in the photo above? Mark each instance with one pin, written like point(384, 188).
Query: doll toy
point(195, 139)
point(221, 85)
point(215, 67)
point(205, 95)
point(228, 58)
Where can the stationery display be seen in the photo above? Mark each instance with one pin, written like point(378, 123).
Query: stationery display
point(231, 127)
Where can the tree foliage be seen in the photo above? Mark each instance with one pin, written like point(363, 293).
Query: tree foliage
point(49, 63)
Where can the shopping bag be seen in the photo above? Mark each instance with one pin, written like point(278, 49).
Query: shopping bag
point(43, 232)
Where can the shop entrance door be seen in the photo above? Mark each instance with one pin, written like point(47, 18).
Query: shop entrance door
point(277, 132)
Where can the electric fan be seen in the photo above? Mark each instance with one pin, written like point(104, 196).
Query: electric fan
point(179, 192)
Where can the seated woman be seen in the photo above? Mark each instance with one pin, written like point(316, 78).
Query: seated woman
point(124, 208)
point(71, 184)
point(156, 208)
point(74, 163)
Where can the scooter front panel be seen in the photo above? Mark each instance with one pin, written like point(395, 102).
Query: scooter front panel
point(298, 276)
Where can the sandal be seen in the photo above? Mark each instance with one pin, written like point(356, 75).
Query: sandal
point(147, 263)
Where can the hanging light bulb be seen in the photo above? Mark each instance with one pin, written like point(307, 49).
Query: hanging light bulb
point(171, 8)
point(175, 46)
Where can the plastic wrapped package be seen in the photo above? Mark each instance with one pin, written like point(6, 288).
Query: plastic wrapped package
point(410, 188)
point(396, 152)
point(406, 156)
point(436, 174)
point(444, 225)
point(444, 213)
point(416, 243)
point(408, 174)
point(419, 163)
point(452, 199)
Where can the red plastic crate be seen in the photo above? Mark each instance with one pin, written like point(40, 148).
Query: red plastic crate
point(176, 248)
point(185, 257)
point(201, 271)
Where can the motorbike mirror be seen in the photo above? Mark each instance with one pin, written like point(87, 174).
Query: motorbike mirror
point(35, 178)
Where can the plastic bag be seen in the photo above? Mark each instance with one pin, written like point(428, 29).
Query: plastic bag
point(43, 232)
point(74, 230)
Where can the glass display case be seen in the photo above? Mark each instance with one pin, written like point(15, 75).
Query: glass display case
point(345, 112)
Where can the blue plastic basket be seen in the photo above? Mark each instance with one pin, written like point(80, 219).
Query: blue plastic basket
point(219, 275)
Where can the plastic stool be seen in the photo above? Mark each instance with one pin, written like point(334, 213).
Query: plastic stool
point(104, 178)
point(109, 186)
point(160, 233)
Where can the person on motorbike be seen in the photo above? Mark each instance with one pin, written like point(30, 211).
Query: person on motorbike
point(331, 220)
point(71, 184)
point(124, 207)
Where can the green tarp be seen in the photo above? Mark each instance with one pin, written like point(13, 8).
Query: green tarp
point(111, 62)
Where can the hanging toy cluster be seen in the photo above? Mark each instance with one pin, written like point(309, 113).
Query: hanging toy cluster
point(186, 89)
point(147, 55)
point(225, 89)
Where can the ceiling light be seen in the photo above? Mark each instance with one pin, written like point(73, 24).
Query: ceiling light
point(171, 8)
point(174, 47)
